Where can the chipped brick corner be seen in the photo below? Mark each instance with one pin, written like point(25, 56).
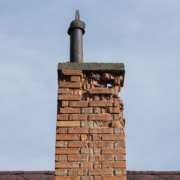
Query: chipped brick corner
point(90, 137)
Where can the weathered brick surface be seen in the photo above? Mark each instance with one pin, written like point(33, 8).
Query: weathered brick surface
point(77, 144)
point(80, 117)
point(69, 84)
point(67, 150)
point(100, 171)
point(77, 158)
point(114, 151)
point(75, 78)
point(101, 91)
point(107, 137)
point(68, 124)
point(82, 172)
point(100, 103)
point(101, 130)
point(67, 137)
point(90, 137)
point(101, 158)
point(69, 97)
point(101, 144)
point(78, 130)
point(78, 103)
point(69, 110)
point(113, 165)
point(103, 117)
point(71, 72)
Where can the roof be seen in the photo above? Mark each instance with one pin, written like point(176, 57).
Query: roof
point(49, 175)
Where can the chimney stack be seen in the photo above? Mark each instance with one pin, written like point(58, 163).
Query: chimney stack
point(90, 135)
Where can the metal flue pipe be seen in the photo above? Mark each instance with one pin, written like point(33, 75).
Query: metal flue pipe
point(76, 32)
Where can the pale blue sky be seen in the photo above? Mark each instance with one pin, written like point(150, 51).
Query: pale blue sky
point(144, 35)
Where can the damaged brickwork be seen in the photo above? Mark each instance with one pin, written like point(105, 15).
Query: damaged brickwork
point(90, 137)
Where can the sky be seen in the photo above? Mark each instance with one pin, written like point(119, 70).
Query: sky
point(144, 35)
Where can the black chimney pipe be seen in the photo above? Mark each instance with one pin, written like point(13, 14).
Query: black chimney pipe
point(76, 32)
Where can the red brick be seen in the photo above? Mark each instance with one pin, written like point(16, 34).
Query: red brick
point(86, 178)
point(118, 171)
point(77, 144)
point(97, 177)
point(116, 103)
point(75, 78)
point(87, 110)
point(116, 117)
point(97, 124)
point(78, 130)
point(100, 103)
point(104, 117)
point(100, 130)
point(101, 144)
point(114, 110)
point(114, 178)
point(85, 165)
point(78, 158)
point(69, 84)
point(64, 137)
point(97, 165)
point(64, 103)
point(78, 172)
point(62, 117)
point(80, 117)
point(78, 103)
point(96, 151)
point(71, 72)
point(97, 110)
point(61, 144)
point(101, 158)
point(86, 151)
point(113, 164)
point(60, 172)
point(101, 91)
point(62, 130)
point(61, 158)
point(67, 150)
point(84, 137)
point(106, 124)
point(114, 151)
point(96, 137)
point(117, 124)
point(66, 178)
point(69, 97)
point(119, 144)
point(97, 98)
point(100, 172)
point(118, 130)
point(104, 110)
point(107, 137)
point(67, 165)
point(70, 110)
point(68, 124)
point(120, 157)
point(87, 124)
point(63, 90)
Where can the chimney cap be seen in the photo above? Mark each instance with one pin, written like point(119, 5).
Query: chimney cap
point(77, 23)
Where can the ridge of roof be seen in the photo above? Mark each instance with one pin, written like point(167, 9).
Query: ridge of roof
point(128, 172)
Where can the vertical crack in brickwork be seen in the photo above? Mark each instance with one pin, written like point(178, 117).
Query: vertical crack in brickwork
point(90, 138)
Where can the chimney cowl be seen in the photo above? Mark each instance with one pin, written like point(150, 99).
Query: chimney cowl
point(77, 23)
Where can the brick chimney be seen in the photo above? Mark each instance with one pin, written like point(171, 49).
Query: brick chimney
point(90, 138)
